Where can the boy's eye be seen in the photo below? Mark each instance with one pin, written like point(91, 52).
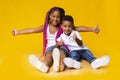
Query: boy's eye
point(65, 26)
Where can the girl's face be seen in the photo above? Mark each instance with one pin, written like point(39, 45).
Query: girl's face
point(55, 18)
point(67, 27)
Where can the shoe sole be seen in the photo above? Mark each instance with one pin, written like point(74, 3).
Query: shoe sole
point(34, 61)
point(71, 63)
point(103, 61)
point(56, 59)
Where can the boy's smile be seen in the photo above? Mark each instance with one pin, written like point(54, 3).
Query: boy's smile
point(67, 27)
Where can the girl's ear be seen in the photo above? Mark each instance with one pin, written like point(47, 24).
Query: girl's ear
point(50, 16)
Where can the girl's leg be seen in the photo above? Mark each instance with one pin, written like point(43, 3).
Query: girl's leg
point(56, 59)
point(43, 66)
point(48, 58)
point(62, 56)
point(38, 64)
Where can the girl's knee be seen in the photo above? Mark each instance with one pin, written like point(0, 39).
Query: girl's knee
point(48, 53)
point(63, 53)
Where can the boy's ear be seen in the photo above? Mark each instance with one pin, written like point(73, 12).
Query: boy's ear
point(61, 25)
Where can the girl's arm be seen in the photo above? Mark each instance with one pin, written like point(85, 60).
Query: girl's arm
point(59, 43)
point(87, 29)
point(27, 31)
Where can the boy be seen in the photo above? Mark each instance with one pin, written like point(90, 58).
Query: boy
point(78, 50)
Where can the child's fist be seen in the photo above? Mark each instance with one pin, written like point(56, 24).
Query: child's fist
point(14, 32)
point(96, 29)
point(74, 36)
point(60, 43)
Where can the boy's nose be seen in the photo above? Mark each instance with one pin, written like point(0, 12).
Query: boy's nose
point(67, 28)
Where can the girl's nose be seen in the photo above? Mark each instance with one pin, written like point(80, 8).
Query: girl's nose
point(55, 18)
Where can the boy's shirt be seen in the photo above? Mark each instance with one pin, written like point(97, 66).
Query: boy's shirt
point(70, 42)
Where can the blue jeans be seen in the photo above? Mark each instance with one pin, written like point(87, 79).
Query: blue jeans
point(82, 54)
point(52, 47)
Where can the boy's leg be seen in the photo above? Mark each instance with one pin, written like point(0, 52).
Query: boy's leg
point(99, 62)
point(73, 60)
point(87, 55)
point(95, 63)
point(38, 63)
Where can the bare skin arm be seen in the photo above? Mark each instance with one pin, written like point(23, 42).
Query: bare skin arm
point(79, 42)
point(27, 31)
point(88, 29)
point(58, 44)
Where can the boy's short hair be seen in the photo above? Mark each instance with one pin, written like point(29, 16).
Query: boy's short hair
point(68, 18)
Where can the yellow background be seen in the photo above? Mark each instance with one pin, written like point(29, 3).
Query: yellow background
point(21, 14)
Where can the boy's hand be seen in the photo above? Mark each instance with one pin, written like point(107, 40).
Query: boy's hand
point(96, 29)
point(74, 36)
point(14, 32)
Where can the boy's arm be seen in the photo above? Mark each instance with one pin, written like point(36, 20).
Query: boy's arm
point(79, 42)
point(27, 31)
point(88, 29)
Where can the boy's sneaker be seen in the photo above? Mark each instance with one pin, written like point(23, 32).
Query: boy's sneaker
point(38, 64)
point(102, 61)
point(71, 63)
point(56, 59)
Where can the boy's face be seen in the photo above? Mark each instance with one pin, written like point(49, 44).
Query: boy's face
point(67, 27)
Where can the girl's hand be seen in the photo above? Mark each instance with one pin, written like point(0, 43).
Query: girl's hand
point(14, 32)
point(60, 43)
point(96, 29)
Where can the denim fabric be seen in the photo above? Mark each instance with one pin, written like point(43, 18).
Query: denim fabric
point(52, 47)
point(82, 54)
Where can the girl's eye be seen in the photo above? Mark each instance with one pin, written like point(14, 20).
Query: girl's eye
point(53, 16)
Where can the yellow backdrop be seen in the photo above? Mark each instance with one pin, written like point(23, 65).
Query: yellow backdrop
point(21, 14)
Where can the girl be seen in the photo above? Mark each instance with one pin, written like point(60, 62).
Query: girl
point(51, 30)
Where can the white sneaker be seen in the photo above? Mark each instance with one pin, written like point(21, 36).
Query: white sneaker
point(56, 59)
point(38, 64)
point(102, 61)
point(71, 63)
